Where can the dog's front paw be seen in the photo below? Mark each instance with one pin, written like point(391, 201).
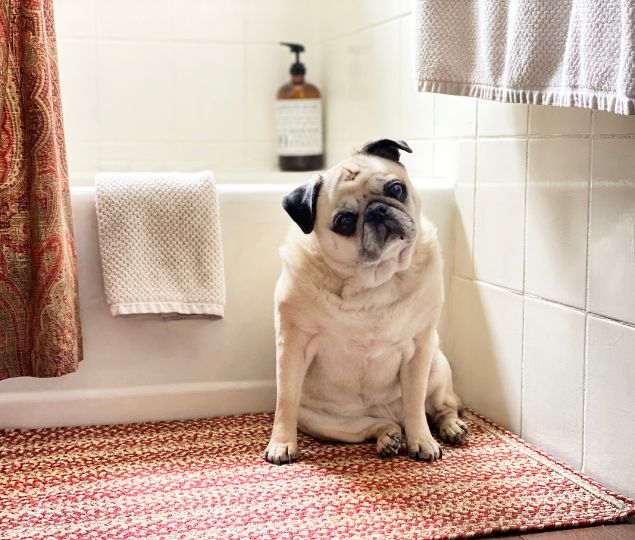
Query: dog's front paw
point(389, 443)
point(453, 431)
point(281, 452)
point(424, 448)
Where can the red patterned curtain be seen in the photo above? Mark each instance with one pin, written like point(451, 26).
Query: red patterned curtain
point(39, 313)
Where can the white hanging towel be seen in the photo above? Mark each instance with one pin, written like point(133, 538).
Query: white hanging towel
point(570, 53)
point(160, 244)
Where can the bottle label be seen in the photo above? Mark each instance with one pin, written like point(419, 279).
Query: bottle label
point(299, 127)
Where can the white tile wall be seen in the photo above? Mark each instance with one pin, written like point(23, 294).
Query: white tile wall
point(281, 20)
point(150, 75)
point(420, 162)
point(545, 120)
point(454, 116)
point(485, 347)
point(501, 119)
point(553, 373)
point(195, 156)
point(78, 84)
point(613, 124)
point(612, 230)
point(455, 159)
point(609, 436)
point(357, 108)
point(416, 108)
point(499, 212)
point(75, 18)
point(340, 17)
point(207, 108)
point(208, 20)
point(557, 208)
point(135, 91)
point(138, 20)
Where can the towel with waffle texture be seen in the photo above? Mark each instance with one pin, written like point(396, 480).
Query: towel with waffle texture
point(160, 244)
point(577, 53)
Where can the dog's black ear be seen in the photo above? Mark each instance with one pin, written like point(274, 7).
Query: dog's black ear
point(386, 148)
point(301, 203)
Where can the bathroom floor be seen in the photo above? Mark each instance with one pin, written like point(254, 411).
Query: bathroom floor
point(179, 478)
point(623, 531)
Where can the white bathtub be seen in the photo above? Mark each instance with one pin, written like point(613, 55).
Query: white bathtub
point(148, 369)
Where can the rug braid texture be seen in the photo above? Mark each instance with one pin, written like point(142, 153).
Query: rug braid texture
point(208, 479)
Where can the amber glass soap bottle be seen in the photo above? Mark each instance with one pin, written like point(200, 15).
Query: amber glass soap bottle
point(299, 119)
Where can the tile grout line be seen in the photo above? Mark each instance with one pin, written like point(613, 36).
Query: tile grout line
point(531, 296)
point(99, 143)
point(369, 27)
point(434, 127)
point(523, 341)
point(588, 223)
point(246, 158)
point(619, 322)
point(133, 39)
point(584, 390)
point(586, 297)
point(453, 138)
point(474, 177)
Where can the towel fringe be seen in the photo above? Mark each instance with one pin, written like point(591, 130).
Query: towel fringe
point(559, 97)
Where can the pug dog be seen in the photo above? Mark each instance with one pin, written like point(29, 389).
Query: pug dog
point(356, 312)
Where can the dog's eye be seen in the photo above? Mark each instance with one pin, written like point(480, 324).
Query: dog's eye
point(344, 223)
point(396, 190)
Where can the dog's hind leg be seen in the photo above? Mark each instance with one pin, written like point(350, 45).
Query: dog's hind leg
point(322, 425)
point(442, 404)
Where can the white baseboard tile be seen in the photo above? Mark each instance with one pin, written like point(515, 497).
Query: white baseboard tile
point(134, 404)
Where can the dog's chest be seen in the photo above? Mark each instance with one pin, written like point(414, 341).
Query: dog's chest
point(358, 357)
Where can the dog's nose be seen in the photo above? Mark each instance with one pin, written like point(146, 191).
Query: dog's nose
point(376, 212)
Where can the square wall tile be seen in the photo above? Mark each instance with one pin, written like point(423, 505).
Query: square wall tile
point(553, 373)
point(419, 163)
point(456, 160)
point(78, 88)
point(499, 214)
point(454, 116)
point(208, 20)
point(557, 210)
point(417, 108)
point(361, 108)
point(198, 156)
point(612, 230)
point(281, 20)
point(133, 156)
point(605, 123)
point(340, 17)
point(485, 349)
point(549, 120)
point(74, 18)
point(262, 155)
point(209, 109)
point(141, 19)
point(82, 158)
point(337, 150)
point(610, 409)
point(501, 119)
point(135, 91)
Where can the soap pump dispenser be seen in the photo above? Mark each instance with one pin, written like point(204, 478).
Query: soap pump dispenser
point(299, 120)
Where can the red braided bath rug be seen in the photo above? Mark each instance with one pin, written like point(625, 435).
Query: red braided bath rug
point(208, 479)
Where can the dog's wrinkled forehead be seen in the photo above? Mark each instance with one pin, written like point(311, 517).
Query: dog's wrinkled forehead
point(361, 170)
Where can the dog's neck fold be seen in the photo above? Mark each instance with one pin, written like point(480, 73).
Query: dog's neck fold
point(352, 281)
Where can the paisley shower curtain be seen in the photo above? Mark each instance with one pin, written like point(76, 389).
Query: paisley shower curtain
point(39, 313)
